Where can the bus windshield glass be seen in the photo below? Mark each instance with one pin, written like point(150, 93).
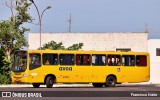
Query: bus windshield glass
point(20, 61)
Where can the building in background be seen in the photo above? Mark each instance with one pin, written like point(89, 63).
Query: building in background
point(154, 50)
point(107, 41)
point(94, 41)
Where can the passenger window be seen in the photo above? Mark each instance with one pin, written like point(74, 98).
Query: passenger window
point(99, 60)
point(141, 60)
point(66, 59)
point(35, 61)
point(82, 59)
point(114, 60)
point(128, 60)
point(50, 59)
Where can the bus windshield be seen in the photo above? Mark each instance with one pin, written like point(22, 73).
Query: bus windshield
point(20, 61)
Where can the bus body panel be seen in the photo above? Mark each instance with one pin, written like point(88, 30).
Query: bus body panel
point(83, 74)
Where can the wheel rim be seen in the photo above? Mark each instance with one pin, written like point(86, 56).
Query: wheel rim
point(51, 82)
point(111, 82)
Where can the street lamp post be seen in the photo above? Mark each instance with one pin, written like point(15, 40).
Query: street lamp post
point(40, 18)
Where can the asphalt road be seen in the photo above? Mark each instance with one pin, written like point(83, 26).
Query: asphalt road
point(120, 92)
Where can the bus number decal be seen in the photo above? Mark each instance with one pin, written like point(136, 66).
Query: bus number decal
point(65, 68)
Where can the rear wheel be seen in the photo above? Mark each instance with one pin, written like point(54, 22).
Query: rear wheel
point(110, 81)
point(49, 81)
point(36, 85)
point(97, 84)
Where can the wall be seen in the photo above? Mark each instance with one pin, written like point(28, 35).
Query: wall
point(152, 45)
point(155, 72)
point(93, 41)
point(155, 60)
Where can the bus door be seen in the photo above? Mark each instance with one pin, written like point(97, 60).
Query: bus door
point(35, 72)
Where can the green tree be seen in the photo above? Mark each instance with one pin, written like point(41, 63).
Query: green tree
point(12, 35)
point(4, 68)
point(12, 30)
point(59, 46)
point(75, 46)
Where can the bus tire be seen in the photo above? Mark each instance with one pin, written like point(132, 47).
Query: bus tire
point(97, 84)
point(110, 81)
point(36, 85)
point(49, 81)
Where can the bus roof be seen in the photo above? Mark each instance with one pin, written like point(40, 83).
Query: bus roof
point(85, 52)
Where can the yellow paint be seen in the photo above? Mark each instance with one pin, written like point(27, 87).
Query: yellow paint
point(84, 74)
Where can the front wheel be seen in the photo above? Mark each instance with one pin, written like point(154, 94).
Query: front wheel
point(49, 81)
point(36, 85)
point(110, 81)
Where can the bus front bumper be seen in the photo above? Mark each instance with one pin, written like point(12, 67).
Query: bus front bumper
point(16, 80)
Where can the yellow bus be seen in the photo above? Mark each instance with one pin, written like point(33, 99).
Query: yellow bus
point(101, 68)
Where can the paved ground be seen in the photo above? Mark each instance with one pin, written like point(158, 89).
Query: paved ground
point(85, 91)
point(82, 87)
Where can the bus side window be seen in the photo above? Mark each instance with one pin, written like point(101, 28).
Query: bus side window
point(50, 59)
point(82, 59)
point(99, 60)
point(35, 61)
point(128, 60)
point(114, 60)
point(94, 60)
point(77, 59)
point(66, 59)
point(141, 60)
point(86, 60)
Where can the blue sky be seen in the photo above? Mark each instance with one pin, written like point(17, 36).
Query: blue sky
point(95, 15)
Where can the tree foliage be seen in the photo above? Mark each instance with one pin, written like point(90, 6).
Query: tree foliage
point(12, 35)
point(4, 68)
point(75, 46)
point(59, 46)
point(12, 30)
